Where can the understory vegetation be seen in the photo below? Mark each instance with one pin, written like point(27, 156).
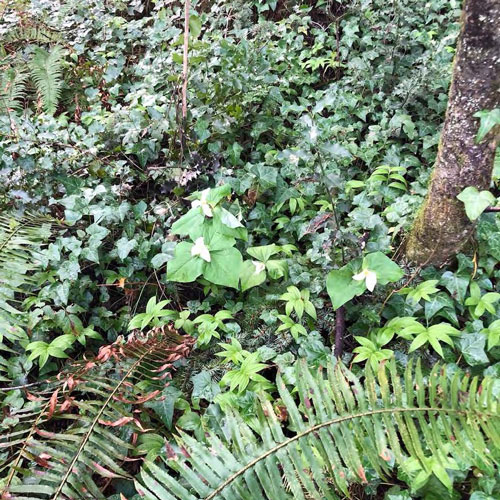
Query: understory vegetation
point(218, 305)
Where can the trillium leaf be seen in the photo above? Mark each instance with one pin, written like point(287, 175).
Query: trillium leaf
point(249, 277)
point(184, 268)
point(387, 271)
point(224, 268)
point(263, 253)
point(229, 220)
point(277, 268)
point(341, 287)
point(190, 224)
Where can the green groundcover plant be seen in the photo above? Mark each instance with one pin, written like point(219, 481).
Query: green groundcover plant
point(173, 288)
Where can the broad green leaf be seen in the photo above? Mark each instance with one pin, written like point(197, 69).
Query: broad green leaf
point(190, 224)
point(263, 253)
point(341, 287)
point(250, 276)
point(224, 268)
point(472, 347)
point(387, 271)
point(277, 268)
point(124, 247)
point(184, 267)
point(475, 201)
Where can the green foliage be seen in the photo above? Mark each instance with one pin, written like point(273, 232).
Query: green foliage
point(357, 276)
point(155, 315)
point(246, 372)
point(56, 348)
point(298, 301)
point(20, 243)
point(46, 71)
point(422, 291)
point(337, 429)
point(488, 119)
point(475, 202)
point(433, 335)
point(479, 304)
point(300, 164)
point(371, 349)
point(89, 402)
point(12, 83)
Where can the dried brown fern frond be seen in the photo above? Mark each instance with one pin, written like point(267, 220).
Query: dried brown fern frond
point(81, 425)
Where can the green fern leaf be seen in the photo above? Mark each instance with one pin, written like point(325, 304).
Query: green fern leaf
point(12, 89)
point(46, 72)
point(339, 427)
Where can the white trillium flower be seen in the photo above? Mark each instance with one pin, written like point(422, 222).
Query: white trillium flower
point(313, 133)
point(370, 278)
point(203, 203)
point(199, 248)
point(259, 266)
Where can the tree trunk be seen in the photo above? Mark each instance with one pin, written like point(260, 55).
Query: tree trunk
point(442, 228)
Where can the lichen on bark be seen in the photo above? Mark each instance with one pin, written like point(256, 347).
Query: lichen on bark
point(441, 227)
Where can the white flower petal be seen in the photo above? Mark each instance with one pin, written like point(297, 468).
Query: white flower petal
point(200, 249)
point(371, 280)
point(259, 266)
point(207, 210)
point(360, 276)
point(195, 203)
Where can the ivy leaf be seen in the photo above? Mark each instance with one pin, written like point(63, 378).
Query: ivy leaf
point(472, 347)
point(164, 404)
point(488, 119)
point(456, 284)
point(204, 387)
point(194, 25)
point(124, 247)
point(475, 201)
point(69, 270)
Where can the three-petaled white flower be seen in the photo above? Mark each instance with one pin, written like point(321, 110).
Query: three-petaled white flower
point(370, 278)
point(199, 248)
point(259, 266)
point(203, 203)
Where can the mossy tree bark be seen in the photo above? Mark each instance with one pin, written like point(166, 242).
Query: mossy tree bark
point(442, 227)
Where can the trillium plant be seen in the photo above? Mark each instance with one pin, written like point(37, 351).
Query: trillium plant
point(211, 251)
point(255, 272)
point(360, 275)
point(370, 278)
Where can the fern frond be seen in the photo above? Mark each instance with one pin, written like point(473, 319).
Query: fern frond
point(76, 435)
point(339, 427)
point(34, 33)
point(20, 241)
point(46, 72)
point(12, 88)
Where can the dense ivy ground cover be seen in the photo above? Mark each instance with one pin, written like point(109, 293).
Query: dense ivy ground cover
point(310, 137)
